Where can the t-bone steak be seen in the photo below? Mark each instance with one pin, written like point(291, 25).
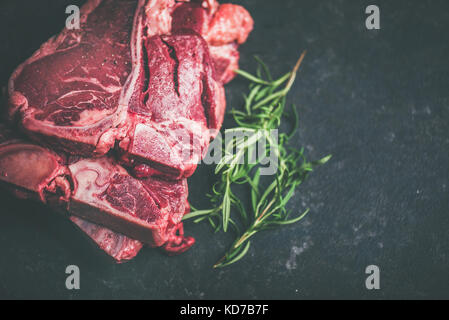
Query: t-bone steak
point(119, 113)
point(137, 75)
point(99, 191)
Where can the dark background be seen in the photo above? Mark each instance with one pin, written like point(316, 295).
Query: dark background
point(377, 100)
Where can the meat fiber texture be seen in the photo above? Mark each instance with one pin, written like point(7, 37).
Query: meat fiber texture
point(137, 76)
point(224, 27)
point(101, 191)
point(121, 111)
point(118, 246)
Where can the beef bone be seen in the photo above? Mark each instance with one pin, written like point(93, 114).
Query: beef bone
point(101, 195)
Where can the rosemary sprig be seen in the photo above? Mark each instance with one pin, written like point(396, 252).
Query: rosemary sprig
point(263, 111)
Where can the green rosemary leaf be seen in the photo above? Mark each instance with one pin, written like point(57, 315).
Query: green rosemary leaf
point(323, 160)
point(250, 98)
point(241, 254)
point(255, 189)
point(213, 224)
point(197, 213)
point(291, 221)
point(251, 77)
point(264, 67)
point(226, 207)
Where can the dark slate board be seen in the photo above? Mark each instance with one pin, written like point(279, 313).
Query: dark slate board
point(377, 100)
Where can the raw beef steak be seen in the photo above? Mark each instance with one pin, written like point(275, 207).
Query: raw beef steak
point(125, 76)
point(121, 111)
point(224, 27)
point(98, 190)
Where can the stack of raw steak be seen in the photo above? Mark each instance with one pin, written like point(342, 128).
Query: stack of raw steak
point(117, 114)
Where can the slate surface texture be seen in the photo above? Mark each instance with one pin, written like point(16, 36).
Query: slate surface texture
point(377, 100)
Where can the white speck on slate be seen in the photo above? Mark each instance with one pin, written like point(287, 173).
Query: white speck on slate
point(296, 251)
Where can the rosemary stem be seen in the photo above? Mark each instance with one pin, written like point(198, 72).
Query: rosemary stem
point(262, 111)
